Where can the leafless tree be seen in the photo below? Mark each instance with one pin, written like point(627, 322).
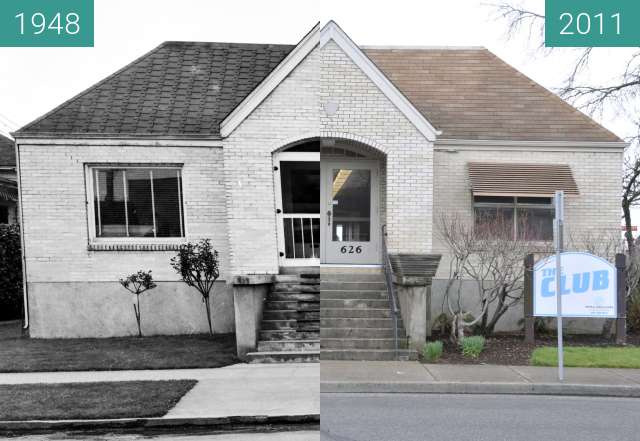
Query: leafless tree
point(620, 94)
point(488, 255)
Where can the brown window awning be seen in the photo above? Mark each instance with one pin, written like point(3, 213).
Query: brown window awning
point(508, 179)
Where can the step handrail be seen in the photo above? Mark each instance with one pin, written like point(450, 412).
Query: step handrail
point(391, 289)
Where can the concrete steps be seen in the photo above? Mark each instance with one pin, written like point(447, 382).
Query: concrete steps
point(290, 330)
point(356, 322)
point(368, 354)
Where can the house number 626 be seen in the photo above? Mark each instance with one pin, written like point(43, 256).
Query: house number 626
point(350, 249)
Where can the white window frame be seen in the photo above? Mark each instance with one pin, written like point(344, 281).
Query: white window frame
point(90, 202)
point(515, 206)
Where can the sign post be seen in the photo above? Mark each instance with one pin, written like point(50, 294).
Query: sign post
point(559, 203)
point(576, 284)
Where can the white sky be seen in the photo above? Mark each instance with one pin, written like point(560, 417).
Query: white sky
point(34, 80)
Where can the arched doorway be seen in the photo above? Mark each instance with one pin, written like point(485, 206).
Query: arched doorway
point(350, 203)
point(328, 203)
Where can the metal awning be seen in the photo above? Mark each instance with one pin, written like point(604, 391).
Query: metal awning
point(508, 179)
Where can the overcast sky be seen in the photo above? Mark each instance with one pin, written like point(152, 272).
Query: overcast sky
point(34, 80)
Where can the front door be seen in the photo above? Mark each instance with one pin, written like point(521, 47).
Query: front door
point(349, 212)
point(298, 207)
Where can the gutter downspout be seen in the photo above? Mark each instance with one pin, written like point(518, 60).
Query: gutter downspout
point(25, 289)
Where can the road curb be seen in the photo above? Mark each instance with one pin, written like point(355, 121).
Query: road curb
point(226, 423)
point(482, 388)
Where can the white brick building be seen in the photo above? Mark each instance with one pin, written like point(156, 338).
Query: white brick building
point(282, 156)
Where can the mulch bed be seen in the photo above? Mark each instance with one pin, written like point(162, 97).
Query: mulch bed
point(510, 349)
point(23, 354)
point(129, 399)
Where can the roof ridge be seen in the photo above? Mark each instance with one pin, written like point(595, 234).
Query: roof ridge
point(24, 129)
point(222, 43)
point(421, 47)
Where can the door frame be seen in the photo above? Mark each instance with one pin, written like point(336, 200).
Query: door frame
point(279, 157)
point(326, 179)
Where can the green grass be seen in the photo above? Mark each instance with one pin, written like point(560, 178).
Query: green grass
point(594, 357)
point(129, 399)
point(473, 346)
point(21, 354)
point(432, 351)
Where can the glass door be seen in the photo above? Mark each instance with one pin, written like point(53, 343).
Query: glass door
point(349, 212)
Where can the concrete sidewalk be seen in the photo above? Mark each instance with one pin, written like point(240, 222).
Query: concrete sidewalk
point(241, 393)
point(414, 377)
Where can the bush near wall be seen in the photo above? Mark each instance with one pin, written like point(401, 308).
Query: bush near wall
point(10, 273)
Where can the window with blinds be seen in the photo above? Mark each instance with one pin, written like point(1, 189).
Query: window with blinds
point(138, 202)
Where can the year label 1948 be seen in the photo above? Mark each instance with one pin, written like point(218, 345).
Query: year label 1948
point(46, 23)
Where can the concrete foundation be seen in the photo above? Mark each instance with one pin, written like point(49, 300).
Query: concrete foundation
point(105, 309)
point(512, 320)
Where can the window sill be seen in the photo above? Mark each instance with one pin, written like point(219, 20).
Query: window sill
point(106, 246)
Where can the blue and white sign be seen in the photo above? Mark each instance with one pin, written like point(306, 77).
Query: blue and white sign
point(588, 285)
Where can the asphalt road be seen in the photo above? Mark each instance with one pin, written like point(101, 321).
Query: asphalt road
point(408, 417)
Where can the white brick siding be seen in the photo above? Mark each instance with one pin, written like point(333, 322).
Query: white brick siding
point(597, 174)
point(55, 209)
point(289, 114)
point(365, 114)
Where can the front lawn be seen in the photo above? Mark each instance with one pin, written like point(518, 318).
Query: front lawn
point(591, 357)
point(130, 399)
point(86, 354)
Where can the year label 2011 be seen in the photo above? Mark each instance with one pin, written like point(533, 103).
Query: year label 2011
point(592, 23)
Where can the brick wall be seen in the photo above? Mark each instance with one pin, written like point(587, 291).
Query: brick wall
point(596, 209)
point(55, 211)
point(289, 114)
point(597, 174)
point(366, 114)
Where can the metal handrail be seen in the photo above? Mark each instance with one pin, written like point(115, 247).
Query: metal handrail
point(391, 288)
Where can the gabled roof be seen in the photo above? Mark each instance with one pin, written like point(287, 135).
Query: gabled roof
point(183, 89)
point(7, 152)
point(177, 89)
point(469, 93)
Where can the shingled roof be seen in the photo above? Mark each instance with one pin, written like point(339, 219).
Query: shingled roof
point(470, 93)
point(177, 89)
point(187, 89)
point(7, 152)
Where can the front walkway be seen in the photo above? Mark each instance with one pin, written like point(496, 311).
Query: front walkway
point(337, 376)
point(237, 390)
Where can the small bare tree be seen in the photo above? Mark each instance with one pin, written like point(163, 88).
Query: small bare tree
point(490, 255)
point(136, 284)
point(197, 264)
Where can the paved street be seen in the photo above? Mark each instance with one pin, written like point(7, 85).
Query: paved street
point(420, 417)
point(279, 436)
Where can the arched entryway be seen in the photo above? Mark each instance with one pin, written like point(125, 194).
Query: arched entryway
point(329, 202)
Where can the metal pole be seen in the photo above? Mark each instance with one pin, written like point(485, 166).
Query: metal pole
point(559, 202)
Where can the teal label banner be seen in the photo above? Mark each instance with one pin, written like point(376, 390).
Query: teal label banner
point(46, 23)
point(592, 23)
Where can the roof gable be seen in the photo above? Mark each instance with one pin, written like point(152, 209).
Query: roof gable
point(333, 32)
point(277, 75)
point(178, 89)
